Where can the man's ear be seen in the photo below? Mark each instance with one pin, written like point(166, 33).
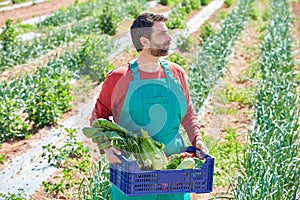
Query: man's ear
point(145, 42)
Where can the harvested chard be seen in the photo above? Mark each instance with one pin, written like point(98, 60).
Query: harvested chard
point(148, 153)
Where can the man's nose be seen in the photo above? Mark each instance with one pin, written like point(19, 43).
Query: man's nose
point(169, 38)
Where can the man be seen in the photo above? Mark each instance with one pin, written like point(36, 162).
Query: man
point(150, 93)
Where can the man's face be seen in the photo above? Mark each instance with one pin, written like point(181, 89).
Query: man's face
point(160, 40)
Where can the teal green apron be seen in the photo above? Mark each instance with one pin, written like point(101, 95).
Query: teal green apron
point(157, 106)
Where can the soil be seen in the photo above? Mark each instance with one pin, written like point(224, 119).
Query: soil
point(40, 9)
point(237, 68)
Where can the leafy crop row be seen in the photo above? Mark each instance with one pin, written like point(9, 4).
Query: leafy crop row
point(271, 165)
point(214, 53)
point(38, 99)
point(13, 51)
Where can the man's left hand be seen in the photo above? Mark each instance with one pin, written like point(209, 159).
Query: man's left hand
point(201, 145)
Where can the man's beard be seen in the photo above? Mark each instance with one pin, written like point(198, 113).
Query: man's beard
point(159, 50)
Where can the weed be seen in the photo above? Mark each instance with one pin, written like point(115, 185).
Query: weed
point(226, 154)
point(206, 30)
point(2, 158)
point(19, 196)
point(222, 110)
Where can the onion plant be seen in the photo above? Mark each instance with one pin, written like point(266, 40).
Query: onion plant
point(214, 52)
point(271, 164)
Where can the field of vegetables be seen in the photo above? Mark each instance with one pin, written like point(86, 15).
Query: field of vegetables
point(243, 67)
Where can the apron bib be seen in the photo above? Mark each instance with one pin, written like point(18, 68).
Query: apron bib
point(157, 106)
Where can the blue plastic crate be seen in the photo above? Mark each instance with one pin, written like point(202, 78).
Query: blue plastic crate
point(132, 181)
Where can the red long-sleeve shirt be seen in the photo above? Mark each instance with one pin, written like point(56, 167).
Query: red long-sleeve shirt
point(114, 89)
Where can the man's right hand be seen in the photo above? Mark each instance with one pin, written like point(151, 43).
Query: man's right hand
point(112, 155)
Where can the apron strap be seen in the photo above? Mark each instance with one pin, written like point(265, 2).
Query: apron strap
point(165, 65)
point(134, 68)
point(136, 74)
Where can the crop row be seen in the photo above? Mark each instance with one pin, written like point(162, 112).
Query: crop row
point(14, 51)
point(213, 55)
point(38, 99)
point(271, 165)
point(90, 187)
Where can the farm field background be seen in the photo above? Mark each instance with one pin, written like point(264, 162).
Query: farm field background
point(243, 67)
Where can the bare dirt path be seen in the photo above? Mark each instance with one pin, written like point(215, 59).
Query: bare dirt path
point(36, 10)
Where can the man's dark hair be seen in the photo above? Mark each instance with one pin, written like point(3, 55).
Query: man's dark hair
point(141, 27)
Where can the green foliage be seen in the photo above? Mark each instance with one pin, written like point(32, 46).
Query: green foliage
point(49, 102)
point(222, 110)
point(196, 4)
point(223, 14)
point(206, 30)
point(71, 149)
point(18, 1)
point(266, 14)
point(228, 3)
point(271, 159)
point(92, 57)
point(187, 5)
point(32, 101)
point(19, 196)
point(96, 185)
point(7, 36)
point(185, 43)
point(134, 7)
point(108, 20)
point(2, 158)
point(73, 157)
point(180, 12)
point(177, 18)
point(205, 2)
point(214, 52)
point(165, 2)
point(241, 95)
point(180, 60)
point(254, 13)
point(74, 12)
point(226, 153)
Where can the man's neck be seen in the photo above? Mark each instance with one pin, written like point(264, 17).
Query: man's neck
point(148, 63)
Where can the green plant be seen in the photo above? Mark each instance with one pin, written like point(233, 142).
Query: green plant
point(254, 13)
point(241, 95)
point(206, 30)
point(7, 36)
point(18, 1)
point(19, 196)
point(2, 158)
point(134, 7)
point(223, 14)
point(271, 159)
point(185, 43)
point(72, 157)
point(165, 2)
point(196, 4)
point(180, 60)
point(205, 2)
point(96, 185)
point(223, 110)
point(228, 3)
point(265, 14)
point(187, 5)
point(226, 153)
point(108, 20)
point(92, 58)
point(71, 149)
point(177, 18)
point(213, 54)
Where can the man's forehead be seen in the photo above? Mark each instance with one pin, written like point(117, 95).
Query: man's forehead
point(159, 26)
